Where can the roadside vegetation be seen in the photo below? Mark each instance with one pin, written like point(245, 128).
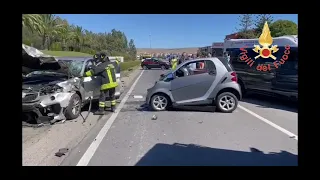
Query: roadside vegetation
point(66, 53)
point(55, 36)
point(250, 26)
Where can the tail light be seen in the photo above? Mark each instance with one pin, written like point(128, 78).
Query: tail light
point(234, 77)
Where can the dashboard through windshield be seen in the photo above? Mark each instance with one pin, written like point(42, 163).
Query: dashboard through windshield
point(75, 67)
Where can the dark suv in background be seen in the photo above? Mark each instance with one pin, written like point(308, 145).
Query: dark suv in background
point(154, 63)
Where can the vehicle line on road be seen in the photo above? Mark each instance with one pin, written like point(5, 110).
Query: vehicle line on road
point(85, 159)
point(290, 134)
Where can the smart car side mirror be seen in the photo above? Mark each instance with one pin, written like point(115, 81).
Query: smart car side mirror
point(170, 76)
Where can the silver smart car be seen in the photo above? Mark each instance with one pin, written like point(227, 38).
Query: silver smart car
point(206, 81)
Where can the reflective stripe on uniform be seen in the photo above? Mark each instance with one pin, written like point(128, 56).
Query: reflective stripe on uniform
point(111, 77)
point(109, 85)
point(88, 73)
point(102, 104)
point(108, 69)
point(113, 102)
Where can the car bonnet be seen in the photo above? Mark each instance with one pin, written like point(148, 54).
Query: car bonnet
point(35, 60)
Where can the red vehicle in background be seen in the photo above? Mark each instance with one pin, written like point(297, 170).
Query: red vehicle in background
point(150, 63)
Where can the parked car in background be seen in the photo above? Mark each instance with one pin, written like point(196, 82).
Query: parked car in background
point(154, 63)
point(191, 84)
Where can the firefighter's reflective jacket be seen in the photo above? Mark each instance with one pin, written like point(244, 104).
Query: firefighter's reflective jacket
point(174, 63)
point(106, 71)
point(116, 64)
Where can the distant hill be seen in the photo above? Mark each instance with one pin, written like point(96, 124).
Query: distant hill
point(163, 50)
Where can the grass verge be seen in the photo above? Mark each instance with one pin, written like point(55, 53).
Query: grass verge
point(125, 66)
point(66, 53)
point(129, 64)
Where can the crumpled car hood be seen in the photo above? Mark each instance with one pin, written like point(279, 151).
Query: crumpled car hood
point(35, 60)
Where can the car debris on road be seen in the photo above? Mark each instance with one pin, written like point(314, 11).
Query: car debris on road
point(61, 152)
point(154, 117)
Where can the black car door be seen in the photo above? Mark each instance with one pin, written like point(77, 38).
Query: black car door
point(286, 79)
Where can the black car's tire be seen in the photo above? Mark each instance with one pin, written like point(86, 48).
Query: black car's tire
point(163, 67)
point(166, 103)
point(226, 102)
point(74, 108)
point(144, 67)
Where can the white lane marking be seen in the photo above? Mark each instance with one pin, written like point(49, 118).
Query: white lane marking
point(95, 144)
point(290, 134)
point(137, 97)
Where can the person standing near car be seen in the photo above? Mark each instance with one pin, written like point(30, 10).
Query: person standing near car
point(174, 63)
point(106, 70)
point(183, 58)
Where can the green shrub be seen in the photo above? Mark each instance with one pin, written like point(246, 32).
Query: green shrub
point(88, 51)
point(56, 46)
point(129, 64)
point(27, 42)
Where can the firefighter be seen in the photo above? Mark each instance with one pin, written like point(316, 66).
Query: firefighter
point(174, 63)
point(106, 70)
point(96, 58)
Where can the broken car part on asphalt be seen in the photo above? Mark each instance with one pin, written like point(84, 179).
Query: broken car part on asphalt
point(61, 152)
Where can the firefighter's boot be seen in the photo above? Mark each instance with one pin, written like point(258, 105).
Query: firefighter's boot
point(99, 112)
point(113, 108)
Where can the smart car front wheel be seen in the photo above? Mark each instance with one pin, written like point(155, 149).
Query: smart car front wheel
point(159, 102)
point(226, 102)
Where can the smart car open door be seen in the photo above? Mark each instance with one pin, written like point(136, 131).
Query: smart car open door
point(191, 87)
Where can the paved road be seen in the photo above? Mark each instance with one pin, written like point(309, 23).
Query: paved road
point(260, 132)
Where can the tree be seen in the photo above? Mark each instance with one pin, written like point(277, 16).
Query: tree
point(132, 49)
point(245, 30)
point(283, 27)
point(46, 31)
point(245, 22)
point(31, 21)
point(260, 21)
point(49, 29)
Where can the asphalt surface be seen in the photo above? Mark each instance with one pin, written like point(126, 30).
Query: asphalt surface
point(261, 131)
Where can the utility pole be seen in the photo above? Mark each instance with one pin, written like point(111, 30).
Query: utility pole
point(150, 40)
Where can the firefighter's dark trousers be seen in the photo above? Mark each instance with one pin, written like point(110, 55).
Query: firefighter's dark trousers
point(107, 94)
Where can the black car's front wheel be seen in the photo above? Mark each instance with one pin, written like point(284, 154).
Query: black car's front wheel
point(144, 67)
point(163, 67)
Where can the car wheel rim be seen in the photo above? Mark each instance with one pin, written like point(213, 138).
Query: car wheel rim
point(227, 102)
point(76, 106)
point(144, 67)
point(160, 102)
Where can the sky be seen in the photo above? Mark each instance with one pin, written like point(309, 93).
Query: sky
point(166, 30)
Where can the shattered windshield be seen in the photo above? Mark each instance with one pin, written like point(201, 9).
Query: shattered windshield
point(75, 67)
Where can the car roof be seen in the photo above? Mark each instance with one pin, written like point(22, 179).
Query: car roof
point(216, 61)
point(74, 58)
